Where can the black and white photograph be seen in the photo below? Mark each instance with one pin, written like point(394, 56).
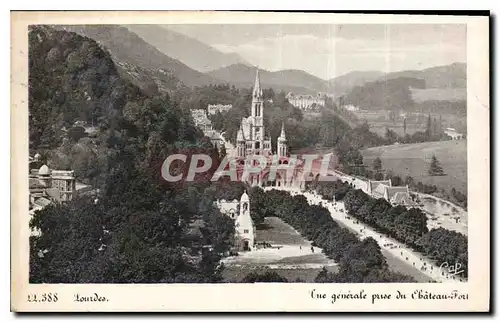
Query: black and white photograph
point(250, 153)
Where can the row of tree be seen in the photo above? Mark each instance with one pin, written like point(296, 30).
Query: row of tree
point(408, 226)
point(359, 261)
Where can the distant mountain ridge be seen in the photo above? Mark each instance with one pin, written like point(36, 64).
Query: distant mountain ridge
point(289, 80)
point(192, 52)
point(343, 83)
point(128, 49)
point(437, 89)
point(448, 76)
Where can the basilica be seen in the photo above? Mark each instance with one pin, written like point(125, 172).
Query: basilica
point(252, 139)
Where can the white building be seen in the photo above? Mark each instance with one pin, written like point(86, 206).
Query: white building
point(306, 102)
point(201, 120)
point(251, 138)
point(350, 108)
point(243, 223)
point(453, 134)
point(214, 108)
point(394, 195)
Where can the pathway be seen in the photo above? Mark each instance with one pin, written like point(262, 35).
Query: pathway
point(396, 248)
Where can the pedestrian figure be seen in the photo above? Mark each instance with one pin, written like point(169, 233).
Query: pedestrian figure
point(312, 249)
point(300, 247)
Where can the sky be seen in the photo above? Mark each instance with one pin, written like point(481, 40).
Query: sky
point(327, 51)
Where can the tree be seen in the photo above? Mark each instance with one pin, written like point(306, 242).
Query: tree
point(223, 152)
point(435, 168)
point(268, 276)
point(428, 129)
point(390, 136)
point(377, 164)
point(409, 180)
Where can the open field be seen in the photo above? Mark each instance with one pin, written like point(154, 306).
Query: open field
point(414, 159)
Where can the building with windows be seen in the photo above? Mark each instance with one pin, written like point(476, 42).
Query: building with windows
point(306, 102)
point(47, 186)
point(214, 108)
point(243, 223)
point(453, 134)
point(201, 120)
point(252, 140)
point(394, 195)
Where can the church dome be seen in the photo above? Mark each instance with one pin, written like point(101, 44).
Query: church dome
point(44, 170)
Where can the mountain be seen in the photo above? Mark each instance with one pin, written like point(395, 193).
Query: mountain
point(289, 80)
point(129, 51)
point(438, 89)
point(342, 84)
point(191, 52)
point(448, 76)
point(71, 78)
point(392, 93)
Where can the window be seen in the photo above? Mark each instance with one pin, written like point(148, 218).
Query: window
point(245, 231)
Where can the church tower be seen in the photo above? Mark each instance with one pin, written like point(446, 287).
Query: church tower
point(240, 143)
point(244, 225)
point(257, 117)
point(282, 146)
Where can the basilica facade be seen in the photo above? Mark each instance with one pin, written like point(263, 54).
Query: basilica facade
point(252, 138)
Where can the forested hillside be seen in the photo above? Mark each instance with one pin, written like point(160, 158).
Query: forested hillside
point(130, 49)
point(139, 228)
point(384, 94)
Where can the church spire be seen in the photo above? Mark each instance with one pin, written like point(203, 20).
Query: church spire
point(282, 135)
point(239, 135)
point(257, 90)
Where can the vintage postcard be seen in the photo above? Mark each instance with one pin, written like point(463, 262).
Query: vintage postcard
point(250, 162)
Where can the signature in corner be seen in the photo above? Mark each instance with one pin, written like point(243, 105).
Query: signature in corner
point(453, 269)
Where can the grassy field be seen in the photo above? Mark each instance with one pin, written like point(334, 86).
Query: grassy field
point(414, 159)
point(279, 233)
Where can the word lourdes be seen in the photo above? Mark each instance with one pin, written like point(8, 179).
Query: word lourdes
point(241, 169)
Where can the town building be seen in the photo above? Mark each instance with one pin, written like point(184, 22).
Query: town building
point(306, 102)
point(243, 223)
point(214, 108)
point(48, 185)
point(201, 120)
point(350, 108)
point(453, 134)
point(395, 195)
